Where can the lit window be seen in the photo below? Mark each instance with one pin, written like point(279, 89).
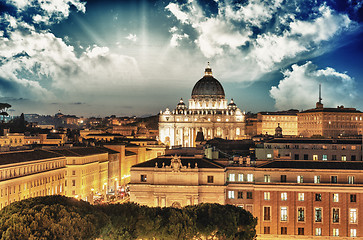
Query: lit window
point(240, 177)
point(351, 179)
point(283, 196)
point(283, 213)
point(318, 197)
point(316, 179)
point(231, 194)
point(344, 158)
point(300, 179)
point(267, 178)
point(325, 157)
point(353, 232)
point(335, 197)
point(269, 155)
point(353, 215)
point(354, 147)
point(318, 214)
point(266, 195)
point(335, 215)
point(301, 196)
point(232, 177)
point(335, 232)
point(249, 177)
point(301, 214)
point(315, 157)
point(317, 231)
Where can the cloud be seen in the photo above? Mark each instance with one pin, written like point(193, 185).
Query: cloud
point(259, 36)
point(300, 85)
point(47, 12)
point(176, 37)
point(132, 37)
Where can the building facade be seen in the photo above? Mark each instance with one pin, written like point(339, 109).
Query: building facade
point(291, 199)
point(310, 149)
point(330, 122)
point(208, 112)
point(177, 181)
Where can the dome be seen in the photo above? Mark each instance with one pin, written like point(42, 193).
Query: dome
point(208, 86)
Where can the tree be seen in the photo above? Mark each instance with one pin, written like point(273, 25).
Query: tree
point(3, 108)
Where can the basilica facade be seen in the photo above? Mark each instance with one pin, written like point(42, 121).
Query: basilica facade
point(208, 111)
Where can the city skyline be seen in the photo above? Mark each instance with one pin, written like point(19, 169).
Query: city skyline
point(98, 58)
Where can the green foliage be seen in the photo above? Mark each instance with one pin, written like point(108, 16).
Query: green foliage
point(58, 217)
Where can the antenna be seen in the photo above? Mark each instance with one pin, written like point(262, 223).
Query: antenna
point(320, 93)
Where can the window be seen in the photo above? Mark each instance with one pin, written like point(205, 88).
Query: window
point(334, 157)
point(240, 177)
point(73, 172)
point(301, 214)
point(296, 157)
point(266, 195)
point(300, 179)
point(353, 215)
point(315, 157)
point(232, 177)
point(353, 158)
point(306, 157)
point(249, 177)
point(240, 195)
point(73, 183)
point(325, 157)
point(283, 214)
point(269, 155)
point(300, 196)
point(353, 232)
point(316, 179)
point(334, 179)
point(231, 194)
point(300, 231)
point(210, 179)
point(318, 214)
point(335, 232)
point(335, 215)
point(266, 213)
point(318, 197)
point(283, 230)
point(249, 195)
point(351, 179)
point(267, 178)
point(283, 178)
point(344, 158)
point(353, 198)
point(266, 230)
point(317, 231)
point(335, 197)
point(143, 178)
point(283, 196)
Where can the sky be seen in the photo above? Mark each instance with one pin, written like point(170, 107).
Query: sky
point(125, 58)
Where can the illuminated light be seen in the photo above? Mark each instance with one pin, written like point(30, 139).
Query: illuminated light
point(209, 119)
point(218, 120)
point(92, 189)
point(125, 176)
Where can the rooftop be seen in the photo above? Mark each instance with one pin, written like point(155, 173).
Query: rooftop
point(201, 162)
point(314, 165)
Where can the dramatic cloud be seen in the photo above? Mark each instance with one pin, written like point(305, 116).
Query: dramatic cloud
point(38, 65)
point(300, 88)
point(260, 35)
